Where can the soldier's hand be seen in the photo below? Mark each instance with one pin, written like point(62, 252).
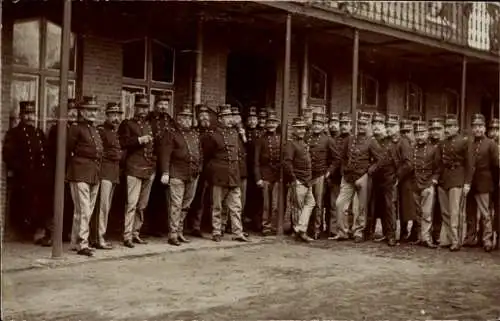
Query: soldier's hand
point(466, 189)
point(434, 182)
point(165, 178)
point(260, 183)
point(327, 175)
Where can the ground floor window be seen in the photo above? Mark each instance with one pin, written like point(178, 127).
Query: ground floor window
point(414, 99)
point(451, 102)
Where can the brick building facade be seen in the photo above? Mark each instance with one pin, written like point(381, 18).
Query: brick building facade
point(242, 61)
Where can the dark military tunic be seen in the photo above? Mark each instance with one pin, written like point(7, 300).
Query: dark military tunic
point(321, 149)
point(253, 135)
point(110, 167)
point(267, 158)
point(222, 150)
point(160, 125)
point(338, 145)
point(484, 153)
point(86, 150)
point(181, 154)
point(140, 159)
point(297, 163)
point(386, 170)
point(242, 156)
point(360, 154)
point(425, 164)
point(455, 162)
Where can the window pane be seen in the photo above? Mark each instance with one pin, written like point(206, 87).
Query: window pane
point(128, 99)
point(134, 57)
point(27, 43)
point(163, 62)
point(370, 91)
point(52, 101)
point(451, 103)
point(24, 87)
point(53, 48)
point(157, 92)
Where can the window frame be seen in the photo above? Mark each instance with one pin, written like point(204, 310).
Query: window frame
point(71, 94)
point(325, 85)
point(420, 94)
point(362, 77)
point(445, 94)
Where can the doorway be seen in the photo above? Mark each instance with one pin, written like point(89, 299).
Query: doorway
point(487, 108)
point(251, 81)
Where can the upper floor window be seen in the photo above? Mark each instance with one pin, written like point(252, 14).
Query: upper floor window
point(451, 102)
point(148, 67)
point(414, 99)
point(367, 90)
point(36, 48)
point(317, 83)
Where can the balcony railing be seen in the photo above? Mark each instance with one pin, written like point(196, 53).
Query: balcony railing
point(470, 24)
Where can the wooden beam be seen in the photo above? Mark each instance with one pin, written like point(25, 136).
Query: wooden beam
point(355, 71)
point(384, 44)
point(364, 25)
point(463, 92)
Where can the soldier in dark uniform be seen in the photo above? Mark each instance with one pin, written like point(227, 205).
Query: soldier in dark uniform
point(340, 129)
point(321, 150)
point(493, 133)
point(72, 119)
point(222, 152)
point(407, 211)
point(25, 156)
point(454, 183)
point(424, 176)
point(262, 118)
point(83, 172)
point(358, 159)
point(161, 123)
point(485, 166)
point(307, 114)
point(267, 172)
point(110, 169)
point(254, 208)
point(181, 164)
point(203, 197)
point(436, 135)
point(298, 170)
point(136, 138)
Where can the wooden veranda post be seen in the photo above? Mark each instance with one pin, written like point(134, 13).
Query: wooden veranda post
point(57, 243)
point(284, 122)
point(199, 62)
point(463, 91)
point(355, 67)
point(305, 75)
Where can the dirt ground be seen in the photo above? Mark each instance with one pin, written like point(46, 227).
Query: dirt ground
point(287, 280)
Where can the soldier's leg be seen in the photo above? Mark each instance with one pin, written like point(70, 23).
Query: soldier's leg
point(105, 200)
point(333, 195)
point(266, 208)
point(436, 218)
point(388, 213)
point(483, 207)
point(275, 187)
point(471, 216)
point(142, 204)
point(317, 186)
point(306, 197)
point(189, 192)
point(444, 203)
point(233, 203)
point(218, 195)
point(133, 192)
point(203, 189)
point(342, 205)
point(176, 193)
point(76, 215)
point(426, 200)
point(360, 203)
point(456, 220)
point(83, 204)
point(243, 191)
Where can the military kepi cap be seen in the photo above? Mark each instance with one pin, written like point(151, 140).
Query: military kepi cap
point(406, 125)
point(494, 123)
point(378, 118)
point(478, 119)
point(224, 110)
point(113, 107)
point(252, 111)
point(89, 102)
point(186, 111)
point(419, 126)
point(272, 115)
point(363, 117)
point(162, 97)
point(345, 117)
point(27, 107)
point(436, 123)
point(201, 108)
point(450, 120)
point(334, 116)
point(299, 122)
point(318, 117)
point(392, 119)
point(141, 100)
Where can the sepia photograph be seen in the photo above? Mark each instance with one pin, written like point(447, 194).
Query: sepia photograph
point(249, 160)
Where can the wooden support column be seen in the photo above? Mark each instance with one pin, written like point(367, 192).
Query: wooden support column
point(354, 86)
point(305, 75)
point(284, 122)
point(57, 242)
point(199, 62)
point(463, 93)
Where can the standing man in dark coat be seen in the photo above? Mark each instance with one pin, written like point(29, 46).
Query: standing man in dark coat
point(222, 152)
point(161, 123)
point(454, 183)
point(52, 155)
point(25, 156)
point(485, 166)
point(110, 169)
point(321, 150)
point(297, 167)
point(424, 177)
point(493, 133)
point(436, 135)
point(254, 208)
point(267, 172)
point(181, 159)
point(203, 198)
point(83, 172)
point(136, 138)
point(340, 129)
point(262, 118)
point(358, 159)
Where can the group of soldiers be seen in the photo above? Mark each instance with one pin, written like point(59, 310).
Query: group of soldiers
point(339, 182)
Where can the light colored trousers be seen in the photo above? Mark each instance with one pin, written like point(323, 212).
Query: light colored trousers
point(243, 193)
point(453, 226)
point(270, 194)
point(302, 199)
point(358, 196)
point(84, 198)
point(484, 214)
point(229, 197)
point(181, 195)
point(138, 191)
point(105, 201)
point(424, 204)
point(318, 190)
